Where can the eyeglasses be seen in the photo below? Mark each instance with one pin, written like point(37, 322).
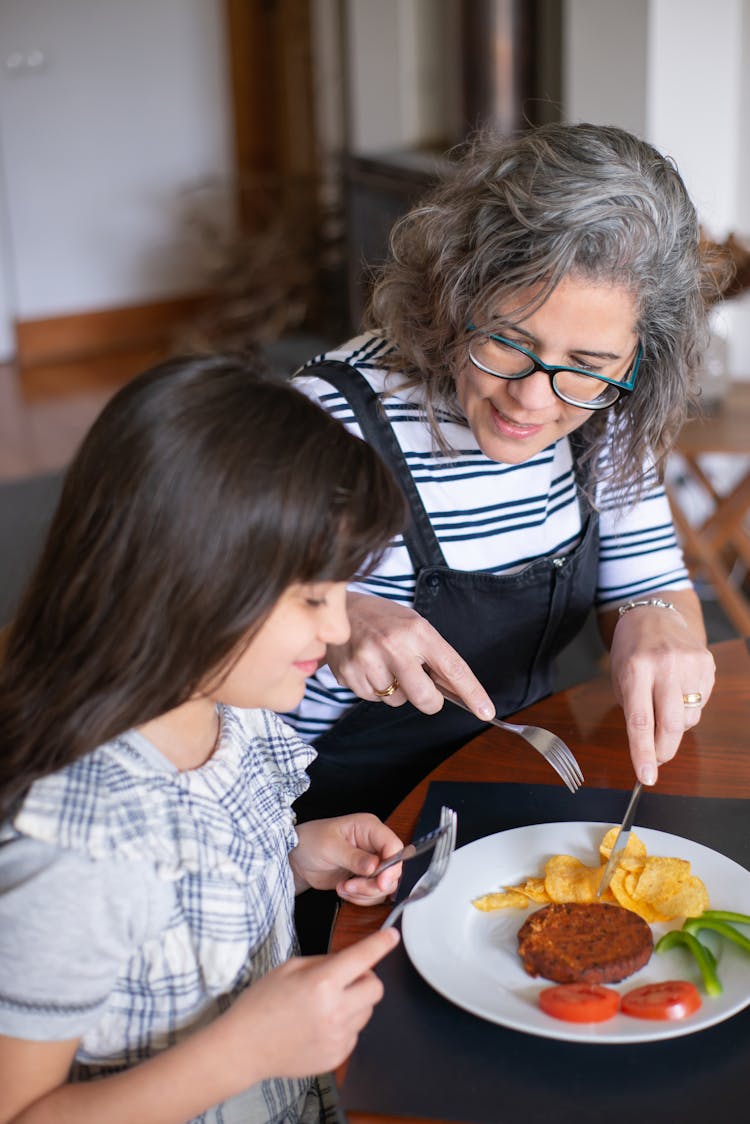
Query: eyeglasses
point(507, 360)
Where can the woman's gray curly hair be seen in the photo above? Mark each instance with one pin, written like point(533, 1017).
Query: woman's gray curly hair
point(521, 213)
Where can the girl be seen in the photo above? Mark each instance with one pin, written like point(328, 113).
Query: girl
point(193, 576)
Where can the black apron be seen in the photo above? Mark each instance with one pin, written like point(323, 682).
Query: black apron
point(508, 628)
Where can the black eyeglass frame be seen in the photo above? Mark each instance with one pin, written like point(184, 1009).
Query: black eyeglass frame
point(552, 369)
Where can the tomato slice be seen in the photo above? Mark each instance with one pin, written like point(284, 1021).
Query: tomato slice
point(673, 999)
point(579, 1002)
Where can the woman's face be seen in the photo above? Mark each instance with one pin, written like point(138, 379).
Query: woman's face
point(581, 324)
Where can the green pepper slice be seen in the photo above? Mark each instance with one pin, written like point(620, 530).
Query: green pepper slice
point(726, 915)
point(695, 924)
point(703, 956)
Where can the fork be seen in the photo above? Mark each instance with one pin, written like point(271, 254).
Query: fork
point(545, 742)
point(435, 871)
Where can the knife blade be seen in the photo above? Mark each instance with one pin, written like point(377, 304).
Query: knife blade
point(621, 839)
point(411, 850)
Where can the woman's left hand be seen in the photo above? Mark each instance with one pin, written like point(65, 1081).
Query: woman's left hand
point(663, 675)
point(342, 853)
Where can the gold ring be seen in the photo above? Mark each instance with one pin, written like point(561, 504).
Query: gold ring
point(393, 686)
point(692, 698)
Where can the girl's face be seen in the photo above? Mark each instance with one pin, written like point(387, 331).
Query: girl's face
point(288, 648)
point(581, 324)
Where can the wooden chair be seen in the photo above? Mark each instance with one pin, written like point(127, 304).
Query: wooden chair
point(718, 548)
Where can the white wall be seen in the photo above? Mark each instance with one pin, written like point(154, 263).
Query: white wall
point(127, 108)
point(7, 298)
point(670, 71)
point(691, 99)
point(604, 62)
point(694, 110)
point(403, 72)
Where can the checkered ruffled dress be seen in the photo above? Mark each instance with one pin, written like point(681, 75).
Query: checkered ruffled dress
point(219, 837)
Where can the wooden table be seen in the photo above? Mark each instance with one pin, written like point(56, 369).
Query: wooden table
point(722, 539)
point(713, 761)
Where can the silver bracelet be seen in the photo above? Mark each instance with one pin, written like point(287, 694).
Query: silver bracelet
point(653, 602)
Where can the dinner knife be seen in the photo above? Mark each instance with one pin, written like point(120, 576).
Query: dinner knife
point(621, 839)
point(411, 850)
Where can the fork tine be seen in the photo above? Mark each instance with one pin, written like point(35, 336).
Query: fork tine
point(556, 752)
point(567, 769)
point(573, 767)
point(447, 843)
point(451, 835)
point(568, 777)
point(562, 768)
point(559, 753)
point(438, 865)
point(543, 741)
point(565, 753)
point(563, 772)
point(576, 771)
point(441, 861)
point(442, 849)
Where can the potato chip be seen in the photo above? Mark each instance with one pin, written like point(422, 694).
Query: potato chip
point(690, 900)
point(634, 855)
point(630, 881)
point(534, 889)
point(657, 888)
point(567, 879)
point(668, 885)
point(623, 896)
point(666, 869)
point(501, 899)
point(660, 877)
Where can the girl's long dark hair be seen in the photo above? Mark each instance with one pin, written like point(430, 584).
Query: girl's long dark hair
point(202, 491)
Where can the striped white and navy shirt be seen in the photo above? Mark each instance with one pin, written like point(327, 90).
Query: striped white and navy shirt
point(489, 517)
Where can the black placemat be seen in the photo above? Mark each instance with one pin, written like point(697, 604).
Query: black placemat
point(422, 1056)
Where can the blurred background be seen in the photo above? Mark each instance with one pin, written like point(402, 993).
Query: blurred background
point(158, 152)
point(223, 173)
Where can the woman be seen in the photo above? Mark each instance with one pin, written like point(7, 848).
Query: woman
point(528, 368)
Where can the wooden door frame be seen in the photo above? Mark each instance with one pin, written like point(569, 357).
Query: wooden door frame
point(270, 51)
point(271, 55)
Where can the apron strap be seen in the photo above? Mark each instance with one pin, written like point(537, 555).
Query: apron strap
point(419, 537)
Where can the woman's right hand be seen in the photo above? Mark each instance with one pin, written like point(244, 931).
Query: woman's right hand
point(305, 1016)
point(391, 642)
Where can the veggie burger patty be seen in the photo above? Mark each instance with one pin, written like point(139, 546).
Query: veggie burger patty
point(589, 942)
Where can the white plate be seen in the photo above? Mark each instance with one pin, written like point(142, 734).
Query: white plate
point(471, 957)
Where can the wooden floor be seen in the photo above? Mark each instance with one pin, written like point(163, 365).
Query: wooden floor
point(45, 411)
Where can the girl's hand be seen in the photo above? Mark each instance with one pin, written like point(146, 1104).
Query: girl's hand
point(302, 1018)
point(305, 1016)
point(393, 643)
point(341, 853)
point(657, 657)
